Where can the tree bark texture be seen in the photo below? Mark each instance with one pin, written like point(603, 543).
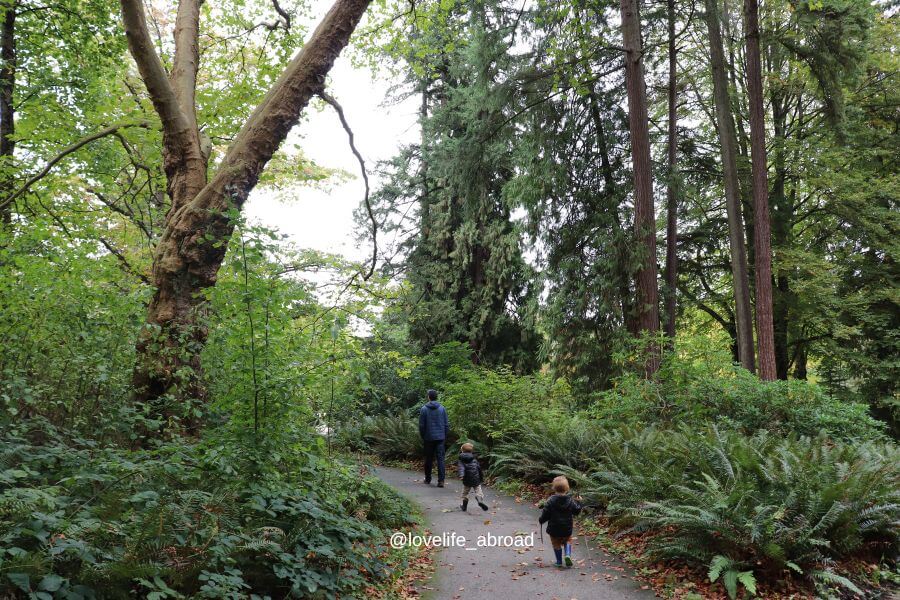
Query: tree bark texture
point(728, 149)
point(762, 236)
point(672, 186)
point(644, 216)
point(198, 226)
point(7, 108)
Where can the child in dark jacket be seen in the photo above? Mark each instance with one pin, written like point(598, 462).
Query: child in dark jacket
point(470, 473)
point(557, 514)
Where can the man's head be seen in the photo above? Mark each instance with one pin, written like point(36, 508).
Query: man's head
point(432, 394)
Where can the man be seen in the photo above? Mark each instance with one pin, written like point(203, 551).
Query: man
point(434, 427)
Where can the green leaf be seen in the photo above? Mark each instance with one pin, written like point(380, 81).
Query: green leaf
point(748, 580)
point(794, 567)
point(21, 580)
point(716, 566)
point(51, 583)
point(730, 582)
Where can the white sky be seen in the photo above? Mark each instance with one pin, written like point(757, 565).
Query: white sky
point(323, 219)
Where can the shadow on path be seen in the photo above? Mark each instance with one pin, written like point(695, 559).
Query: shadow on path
point(515, 573)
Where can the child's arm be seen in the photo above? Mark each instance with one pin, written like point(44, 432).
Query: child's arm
point(460, 468)
point(545, 514)
point(576, 506)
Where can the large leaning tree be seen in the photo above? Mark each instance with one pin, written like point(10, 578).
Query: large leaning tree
point(204, 201)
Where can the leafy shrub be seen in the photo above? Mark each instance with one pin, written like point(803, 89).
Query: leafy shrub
point(765, 503)
point(77, 518)
point(486, 405)
point(734, 399)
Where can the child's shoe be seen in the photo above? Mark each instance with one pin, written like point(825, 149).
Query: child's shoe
point(569, 555)
point(558, 553)
point(465, 504)
point(483, 505)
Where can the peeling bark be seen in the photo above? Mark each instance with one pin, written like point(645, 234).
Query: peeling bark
point(197, 230)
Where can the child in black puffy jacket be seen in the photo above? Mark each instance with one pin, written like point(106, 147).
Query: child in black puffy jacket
point(470, 473)
point(558, 514)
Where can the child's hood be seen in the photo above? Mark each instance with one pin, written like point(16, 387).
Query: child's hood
point(466, 457)
point(560, 500)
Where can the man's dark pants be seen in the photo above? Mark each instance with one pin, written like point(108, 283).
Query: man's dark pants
point(433, 447)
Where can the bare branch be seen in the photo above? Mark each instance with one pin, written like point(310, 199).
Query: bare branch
point(278, 112)
point(112, 129)
point(284, 15)
point(362, 165)
point(126, 266)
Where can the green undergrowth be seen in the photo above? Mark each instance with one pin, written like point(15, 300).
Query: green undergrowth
point(747, 508)
point(206, 519)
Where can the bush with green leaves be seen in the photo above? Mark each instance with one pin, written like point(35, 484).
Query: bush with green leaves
point(688, 390)
point(208, 519)
point(768, 504)
point(485, 405)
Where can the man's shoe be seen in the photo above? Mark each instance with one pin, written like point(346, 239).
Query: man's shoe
point(483, 505)
point(427, 482)
point(465, 504)
point(440, 484)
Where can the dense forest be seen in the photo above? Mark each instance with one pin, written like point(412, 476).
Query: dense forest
point(647, 245)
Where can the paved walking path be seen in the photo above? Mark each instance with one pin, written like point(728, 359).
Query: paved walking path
point(523, 573)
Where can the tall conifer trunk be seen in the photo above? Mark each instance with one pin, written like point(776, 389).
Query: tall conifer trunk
point(765, 338)
point(728, 151)
point(644, 216)
point(671, 188)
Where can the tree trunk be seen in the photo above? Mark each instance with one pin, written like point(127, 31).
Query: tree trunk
point(728, 150)
point(782, 210)
point(762, 236)
point(671, 188)
point(7, 108)
point(198, 226)
point(644, 216)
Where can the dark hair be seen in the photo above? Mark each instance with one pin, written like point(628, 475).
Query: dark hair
point(432, 394)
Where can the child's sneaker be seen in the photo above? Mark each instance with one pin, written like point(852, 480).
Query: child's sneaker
point(483, 505)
